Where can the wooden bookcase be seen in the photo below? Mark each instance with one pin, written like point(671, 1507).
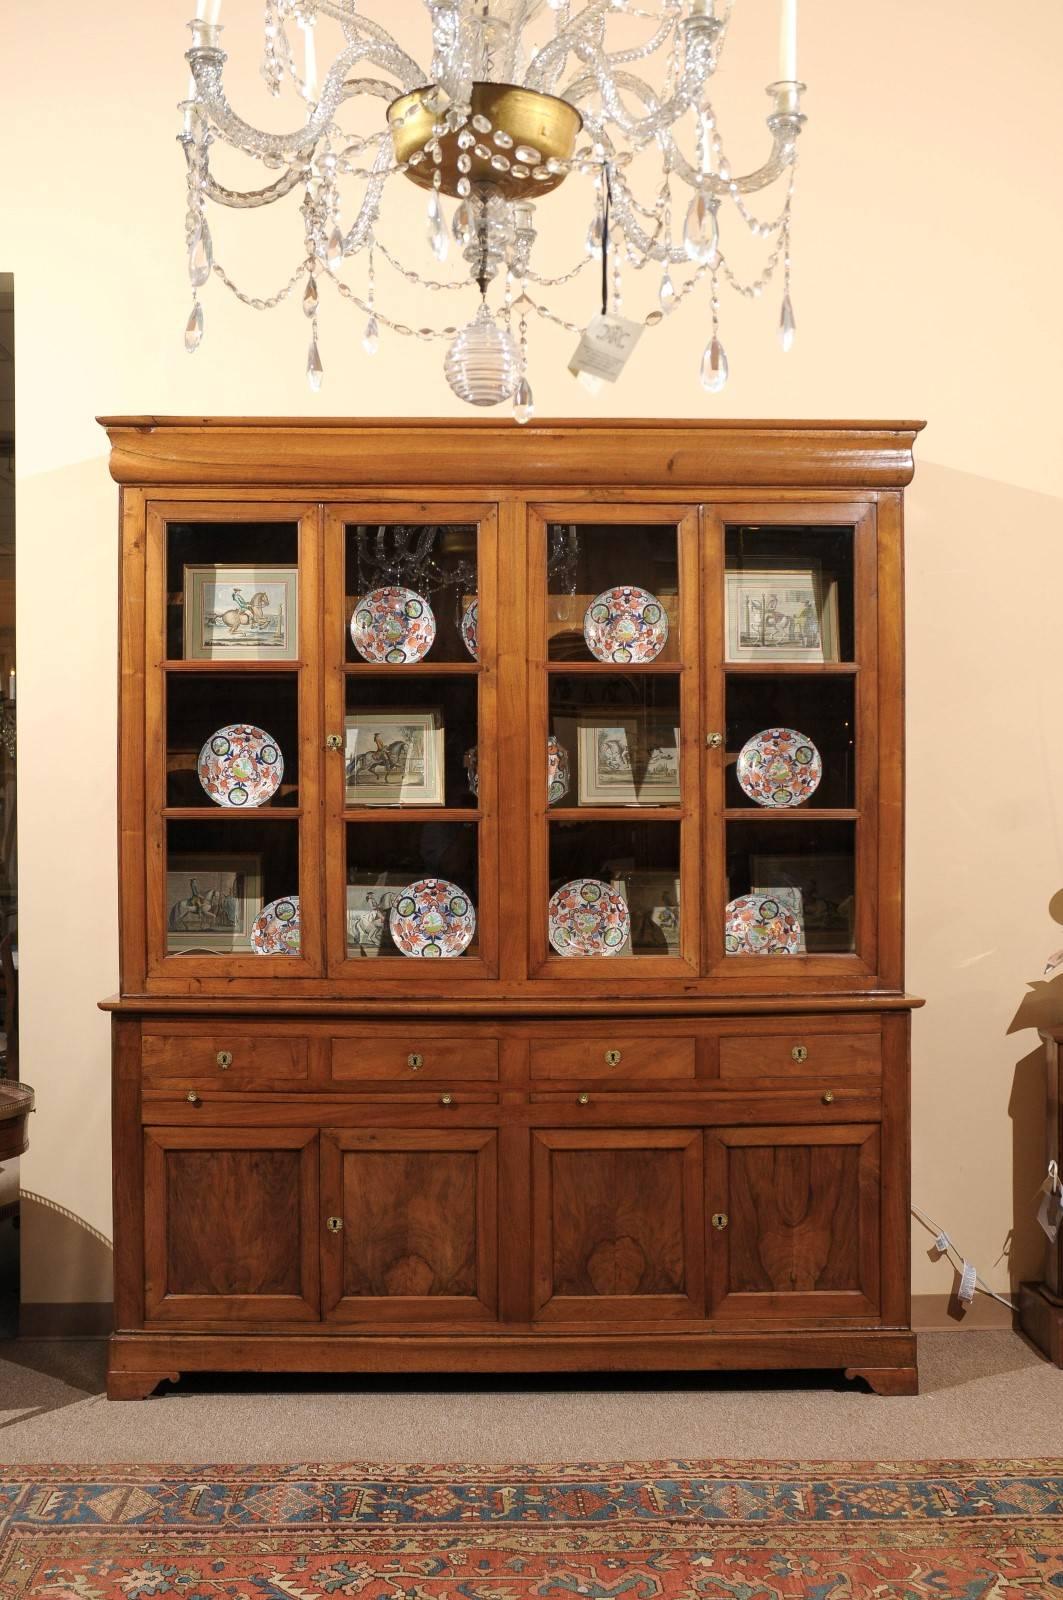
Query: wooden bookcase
point(677, 1156)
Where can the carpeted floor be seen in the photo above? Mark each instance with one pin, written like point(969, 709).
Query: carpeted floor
point(985, 1394)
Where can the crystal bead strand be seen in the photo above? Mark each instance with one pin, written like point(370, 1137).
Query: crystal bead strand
point(523, 400)
point(197, 229)
point(371, 336)
point(714, 369)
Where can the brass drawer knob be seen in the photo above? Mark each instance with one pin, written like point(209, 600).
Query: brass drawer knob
point(334, 741)
point(446, 1099)
point(612, 1058)
point(828, 1097)
point(719, 1220)
point(192, 1097)
point(334, 1224)
point(714, 740)
point(583, 1099)
point(224, 1058)
point(415, 1062)
point(799, 1053)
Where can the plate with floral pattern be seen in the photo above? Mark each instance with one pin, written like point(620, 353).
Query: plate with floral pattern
point(470, 623)
point(240, 766)
point(587, 917)
point(779, 767)
point(432, 918)
point(625, 624)
point(558, 776)
point(758, 925)
point(275, 931)
point(393, 626)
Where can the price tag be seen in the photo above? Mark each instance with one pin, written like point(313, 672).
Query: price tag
point(604, 347)
point(1050, 1213)
point(941, 1243)
point(968, 1280)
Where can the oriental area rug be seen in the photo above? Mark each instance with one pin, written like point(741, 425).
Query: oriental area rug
point(951, 1530)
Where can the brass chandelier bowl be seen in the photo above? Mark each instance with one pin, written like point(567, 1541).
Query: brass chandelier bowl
point(539, 122)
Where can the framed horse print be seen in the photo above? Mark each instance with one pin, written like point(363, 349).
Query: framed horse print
point(394, 757)
point(211, 902)
point(241, 613)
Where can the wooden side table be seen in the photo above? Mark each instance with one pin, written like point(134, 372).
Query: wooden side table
point(1041, 1304)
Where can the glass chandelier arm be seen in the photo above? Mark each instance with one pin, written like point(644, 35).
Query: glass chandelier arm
point(361, 231)
point(547, 64)
point(247, 199)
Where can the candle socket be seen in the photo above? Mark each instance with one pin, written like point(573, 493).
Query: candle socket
point(205, 35)
point(786, 93)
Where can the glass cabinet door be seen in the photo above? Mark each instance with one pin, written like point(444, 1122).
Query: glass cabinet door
point(232, 699)
point(791, 702)
point(410, 626)
point(614, 767)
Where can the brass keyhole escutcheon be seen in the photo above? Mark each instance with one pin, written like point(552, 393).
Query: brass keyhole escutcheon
point(714, 740)
point(333, 1224)
point(446, 1099)
point(414, 1062)
point(799, 1053)
point(334, 741)
point(583, 1099)
point(192, 1097)
point(612, 1058)
point(719, 1220)
point(828, 1097)
point(224, 1059)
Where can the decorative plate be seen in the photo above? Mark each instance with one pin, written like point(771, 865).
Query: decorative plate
point(779, 767)
point(625, 624)
point(471, 762)
point(432, 917)
point(470, 622)
point(558, 776)
point(275, 931)
point(588, 918)
point(393, 626)
point(758, 925)
point(240, 766)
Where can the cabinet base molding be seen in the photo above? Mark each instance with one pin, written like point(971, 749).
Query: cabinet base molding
point(1041, 1319)
point(140, 1361)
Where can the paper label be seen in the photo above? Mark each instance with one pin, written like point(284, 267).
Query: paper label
point(968, 1279)
point(941, 1243)
point(604, 347)
point(1050, 1213)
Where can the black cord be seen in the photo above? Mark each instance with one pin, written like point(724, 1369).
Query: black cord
point(605, 243)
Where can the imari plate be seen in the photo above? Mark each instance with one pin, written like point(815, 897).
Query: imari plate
point(393, 626)
point(588, 918)
point(275, 931)
point(758, 925)
point(558, 777)
point(624, 625)
point(779, 767)
point(432, 918)
point(470, 622)
point(240, 766)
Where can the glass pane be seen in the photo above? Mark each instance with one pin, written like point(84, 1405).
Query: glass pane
point(430, 574)
point(231, 591)
point(641, 563)
point(220, 875)
point(232, 736)
point(386, 859)
point(805, 871)
point(789, 594)
point(637, 861)
point(820, 708)
point(617, 740)
point(411, 741)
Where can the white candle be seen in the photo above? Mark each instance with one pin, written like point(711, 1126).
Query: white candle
point(11, 685)
point(309, 61)
point(788, 41)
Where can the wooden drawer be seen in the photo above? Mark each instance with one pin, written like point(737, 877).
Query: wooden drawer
point(412, 1059)
point(229, 1060)
point(616, 1056)
point(800, 1056)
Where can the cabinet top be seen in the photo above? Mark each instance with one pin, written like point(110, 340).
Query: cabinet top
point(389, 452)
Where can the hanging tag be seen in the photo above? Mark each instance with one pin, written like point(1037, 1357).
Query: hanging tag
point(604, 347)
point(941, 1243)
point(968, 1279)
point(1053, 964)
point(1050, 1213)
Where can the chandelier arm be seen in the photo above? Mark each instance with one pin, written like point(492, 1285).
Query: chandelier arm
point(360, 232)
point(246, 199)
point(550, 59)
point(206, 65)
point(636, 234)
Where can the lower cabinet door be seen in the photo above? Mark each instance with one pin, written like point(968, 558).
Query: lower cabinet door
point(231, 1224)
point(411, 1224)
point(794, 1219)
point(618, 1223)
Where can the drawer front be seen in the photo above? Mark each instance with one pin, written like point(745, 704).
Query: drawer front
point(616, 1056)
point(227, 1060)
point(800, 1056)
point(380, 1059)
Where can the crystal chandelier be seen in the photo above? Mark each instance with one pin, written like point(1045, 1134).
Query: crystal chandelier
point(518, 95)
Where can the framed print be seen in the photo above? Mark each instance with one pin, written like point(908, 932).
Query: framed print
point(653, 903)
point(369, 901)
point(781, 613)
point(622, 761)
point(824, 884)
point(394, 757)
point(211, 902)
point(241, 613)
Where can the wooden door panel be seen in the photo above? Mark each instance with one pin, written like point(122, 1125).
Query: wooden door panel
point(418, 1214)
point(802, 1210)
point(231, 1224)
point(617, 1223)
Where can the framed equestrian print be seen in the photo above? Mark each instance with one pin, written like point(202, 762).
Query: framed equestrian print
point(394, 757)
point(241, 613)
point(211, 902)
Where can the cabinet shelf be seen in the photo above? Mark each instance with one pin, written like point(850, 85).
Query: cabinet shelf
point(791, 669)
point(790, 814)
point(411, 814)
point(231, 814)
point(412, 669)
point(626, 813)
point(216, 667)
point(610, 669)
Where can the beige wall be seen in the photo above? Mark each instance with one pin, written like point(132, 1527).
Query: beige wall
point(927, 246)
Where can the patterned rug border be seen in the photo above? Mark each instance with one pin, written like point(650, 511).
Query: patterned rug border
point(724, 1467)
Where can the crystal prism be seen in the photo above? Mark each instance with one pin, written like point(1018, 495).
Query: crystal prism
point(437, 231)
point(523, 403)
point(666, 294)
point(701, 231)
point(334, 253)
point(200, 256)
point(787, 325)
point(194, 328)
point(596, 235)
point(310, 296)
point(714, 367)
point(371, 336)
point(314, 370)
